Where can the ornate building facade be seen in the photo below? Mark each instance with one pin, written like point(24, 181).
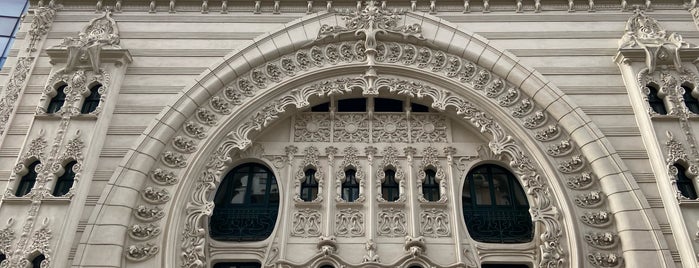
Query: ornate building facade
point(215, 133)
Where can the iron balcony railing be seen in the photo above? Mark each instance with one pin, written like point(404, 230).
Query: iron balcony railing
point(249, 223)
point(499, 226)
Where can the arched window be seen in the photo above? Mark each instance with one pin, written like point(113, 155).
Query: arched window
point(91, 102)
point(309, 186)
point(237, 265)
point(389, 187)
point(57, 101)
point(495, 207)
point(246, 205)
point(36, 262)
point(684, 183)
point(350, 187)
point(27, 182)
point(327, 266)
point(690, 101)
point(655, 102)
point(65, 181)
point(430, 186)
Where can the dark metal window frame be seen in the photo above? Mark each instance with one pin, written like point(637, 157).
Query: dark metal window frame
point(309, 186)
point(493, 223)
point(350, 186)
point(246, 221)
point(390, 189)
point(430, 186)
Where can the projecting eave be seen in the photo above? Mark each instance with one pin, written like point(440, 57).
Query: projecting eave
point(107, 55)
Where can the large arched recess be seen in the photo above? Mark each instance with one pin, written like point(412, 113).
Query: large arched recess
point(538, 149)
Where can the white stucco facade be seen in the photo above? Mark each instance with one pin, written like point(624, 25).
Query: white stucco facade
point(555, 93)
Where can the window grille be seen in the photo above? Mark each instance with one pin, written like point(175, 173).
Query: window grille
point(245, 205)
point(495, 207)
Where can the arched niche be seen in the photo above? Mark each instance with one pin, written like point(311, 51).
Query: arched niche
point(554, 141)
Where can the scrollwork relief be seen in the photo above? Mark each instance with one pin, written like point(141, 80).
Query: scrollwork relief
point(141, 252)
point(310, 161)
point(390, 161)
point(434, 223)
point(142, 232)
point(605, 240)
point(350, 161)
point(306, 223)
point(430, 160)
point(391, 223)
point(349, 222)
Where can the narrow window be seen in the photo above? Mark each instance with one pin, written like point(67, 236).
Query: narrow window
point(36, 262)
point(684, 183)
point(656, 103)
point(92, 101)
point(350, 187)
point(27, 182)
point(495, 207)
point(65, 181)
point(690, 101)
point(245, 205)
point(57, 101)
point(351, 105)
point(309, 186)
point(389, 187)
point(430, 186)
point(237, 265)
point(387, 105)
point(3, 257)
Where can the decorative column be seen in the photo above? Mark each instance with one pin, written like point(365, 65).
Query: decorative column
point(650, 56)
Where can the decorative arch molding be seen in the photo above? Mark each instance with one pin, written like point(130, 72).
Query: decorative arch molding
point(551, 131)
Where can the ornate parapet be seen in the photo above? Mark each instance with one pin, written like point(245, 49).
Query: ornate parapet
point(646, 40)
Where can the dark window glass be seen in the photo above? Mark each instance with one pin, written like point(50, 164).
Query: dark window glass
point(350, 187)
point(495, 207)
point(36, 262)
point(327, 266)
point(415, 266)
point(57, 101)
point(65, 181)
point(656, 103)
point(417, 108)
point(684, 183)
point(504, 266)
point(27, 182)
point(309, 186)
point(389, 187)
point(3, 257)
point(237, 265)
point(430, 186)
point(92, 101)
point(690, 101)
point(351, 105)
point(245, 205)
point(387, 105)
point(325, 107)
